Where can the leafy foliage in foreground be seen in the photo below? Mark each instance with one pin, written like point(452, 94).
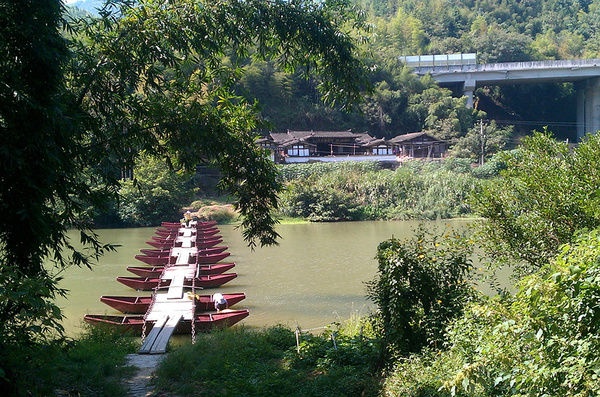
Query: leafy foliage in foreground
point(93, 364)
point(542, 341)
point(265, 363)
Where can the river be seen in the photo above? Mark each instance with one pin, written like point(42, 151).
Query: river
point(314, 277)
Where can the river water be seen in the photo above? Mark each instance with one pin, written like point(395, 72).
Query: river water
point(314, 277)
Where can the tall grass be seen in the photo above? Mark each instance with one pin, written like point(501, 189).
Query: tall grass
point(265, 362)
point(364, 191)
point(91, 365)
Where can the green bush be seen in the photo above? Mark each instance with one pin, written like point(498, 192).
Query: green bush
point(92, 364)
point(290, 172)
point(316, 200)
point(545, 194)
point(421, 285)
point(157, 193)
point(490, 169)
point(541, 342)
point(351, 191)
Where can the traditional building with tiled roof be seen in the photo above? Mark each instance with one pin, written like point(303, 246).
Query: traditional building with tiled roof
point(419, 145)
point(303, 146)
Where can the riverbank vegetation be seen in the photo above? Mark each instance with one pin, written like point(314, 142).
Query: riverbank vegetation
point(367, 191)
point(315, 192)
point(339, 362)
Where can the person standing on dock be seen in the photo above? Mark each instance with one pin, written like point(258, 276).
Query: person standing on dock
point(187, 217)
point(220, 302)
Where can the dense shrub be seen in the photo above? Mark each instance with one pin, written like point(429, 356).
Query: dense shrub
point(545, 194)
point(541, 342)
point(317, 200)
point(421, 285)
point(93, 364)
point(157, 193)
point(362, 191)
point(292, 172)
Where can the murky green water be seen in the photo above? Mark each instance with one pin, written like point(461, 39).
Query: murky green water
point(314, 277)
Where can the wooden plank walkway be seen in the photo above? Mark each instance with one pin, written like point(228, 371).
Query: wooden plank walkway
point(156, 342)
point(172, 306)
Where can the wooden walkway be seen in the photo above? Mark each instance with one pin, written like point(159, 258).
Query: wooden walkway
point(170, 306)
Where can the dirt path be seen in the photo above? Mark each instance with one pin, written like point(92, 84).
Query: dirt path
point(139, 384)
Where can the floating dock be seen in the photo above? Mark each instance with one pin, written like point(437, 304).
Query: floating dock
point(184, 262)
point(170, 307)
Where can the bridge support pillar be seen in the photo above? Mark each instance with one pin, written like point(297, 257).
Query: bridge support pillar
point(468, 89)
point(588, 107)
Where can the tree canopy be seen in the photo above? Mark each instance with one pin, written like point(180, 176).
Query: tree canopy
point(545, 195)
point(146, 77)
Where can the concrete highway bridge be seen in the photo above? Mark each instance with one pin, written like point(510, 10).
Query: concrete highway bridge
point(462, 69)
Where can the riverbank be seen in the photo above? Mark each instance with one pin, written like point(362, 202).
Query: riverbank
point(340, 360)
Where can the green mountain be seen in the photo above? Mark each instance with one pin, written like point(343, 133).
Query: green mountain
point(90, 6)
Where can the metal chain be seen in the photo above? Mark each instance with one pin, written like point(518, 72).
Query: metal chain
point(152, 301)
point(194, 309)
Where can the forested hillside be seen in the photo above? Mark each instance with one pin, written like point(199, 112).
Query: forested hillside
point(497, 30)
point(398, 103)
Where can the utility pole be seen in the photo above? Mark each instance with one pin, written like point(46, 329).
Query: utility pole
point(482, 138)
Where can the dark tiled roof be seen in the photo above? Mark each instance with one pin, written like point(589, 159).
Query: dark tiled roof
point(375, 142)
point(279, 137)
point(323, 134)
point(411, 136)
point(295, 137)
point(295, 142)
point(286, 139)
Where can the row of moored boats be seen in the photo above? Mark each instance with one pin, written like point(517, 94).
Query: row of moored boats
point(193, 246)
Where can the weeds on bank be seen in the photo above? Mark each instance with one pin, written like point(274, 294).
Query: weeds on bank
point(90, 365)
point(93, 364)
point(265, 362)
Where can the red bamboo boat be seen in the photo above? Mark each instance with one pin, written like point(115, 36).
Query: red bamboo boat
point(149, 283)
point(199, 243)
point(140, 304)
point(177, 225)
point(207, 232)
point(164, 239)
point(174, 233)
point(159, 245)
point(156, 271)
point(173, 239)
point(167, 251)
point(208, 243)
point(156, 252)
point(156, 260)
point(199, 258)
point(202, 321)
point(202, 258)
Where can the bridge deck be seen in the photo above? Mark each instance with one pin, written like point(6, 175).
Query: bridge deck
point(515, 72)
point(172, 306)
